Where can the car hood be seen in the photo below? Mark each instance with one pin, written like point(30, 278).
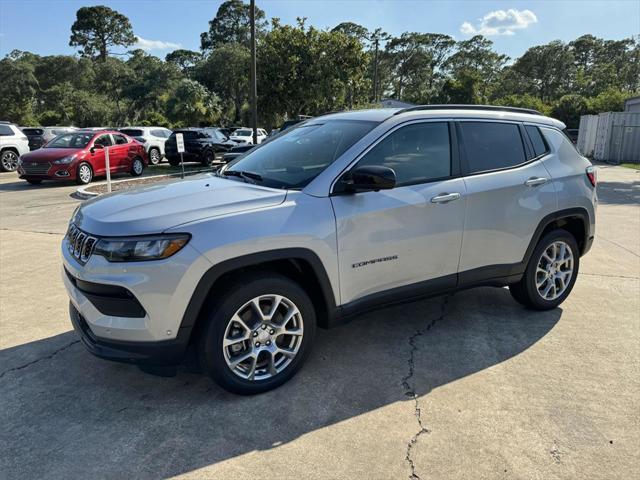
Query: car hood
point(156, 208)
point(49, 154)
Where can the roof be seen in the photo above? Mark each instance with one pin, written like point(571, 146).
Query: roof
point(445, 111)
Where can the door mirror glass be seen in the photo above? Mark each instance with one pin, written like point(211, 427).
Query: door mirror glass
point(367, 178)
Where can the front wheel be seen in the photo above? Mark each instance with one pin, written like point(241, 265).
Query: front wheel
point(207, 158)
point(174, 161)
point(258, 335)
point(34, 181)
point(551, 272)
point(84, 174)
point(137, 167)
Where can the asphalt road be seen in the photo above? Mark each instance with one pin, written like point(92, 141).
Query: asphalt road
point(465, 386)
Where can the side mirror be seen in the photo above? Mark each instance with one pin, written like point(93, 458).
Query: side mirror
point(364, 179)
point(96, 146)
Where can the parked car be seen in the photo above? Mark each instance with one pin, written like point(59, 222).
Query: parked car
point(342, 214)
point(80, 156)
point(13, 143)
point(235, 152)
point(38, 136)
point(201, 145)
point(153, 139)
point(245, 135)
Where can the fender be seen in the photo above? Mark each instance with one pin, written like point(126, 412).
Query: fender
point(201, 292)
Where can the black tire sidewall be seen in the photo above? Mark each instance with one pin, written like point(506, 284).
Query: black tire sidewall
point(529, 280)
point(151, 150)
point(133, 171)
point(210, 342)
point(2, 156)
point(207, 158)
point(174, 162)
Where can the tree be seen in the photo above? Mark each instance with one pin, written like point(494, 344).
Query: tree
point(192, 104)
point(185, 60)
point(352, 30)
point(98, 28)
point(569, 109)
point(226, 72)
point(231, 25)
point(610, 100)
point(18, 88)
point(523, 101)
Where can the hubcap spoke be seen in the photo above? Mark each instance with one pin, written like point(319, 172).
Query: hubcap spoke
point(554, 270)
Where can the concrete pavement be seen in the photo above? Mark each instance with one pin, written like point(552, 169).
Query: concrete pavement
point(464, 386)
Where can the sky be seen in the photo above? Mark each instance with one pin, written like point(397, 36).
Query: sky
point(43, 26)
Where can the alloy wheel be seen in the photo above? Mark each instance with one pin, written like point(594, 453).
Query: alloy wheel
point(9, 161)
point(263, 337)
point(137, 166)
point(84, 172)
point(554, 270)
point(154, 156)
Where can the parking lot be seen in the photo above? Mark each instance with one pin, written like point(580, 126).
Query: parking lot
point(465, 386)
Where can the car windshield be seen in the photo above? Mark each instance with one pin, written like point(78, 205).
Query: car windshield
point(243, 133)
point(296, 157)
point(71, 140)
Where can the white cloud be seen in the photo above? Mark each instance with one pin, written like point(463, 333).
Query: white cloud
point(148, 45)
point(500, 22)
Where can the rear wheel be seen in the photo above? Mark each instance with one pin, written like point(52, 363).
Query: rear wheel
point(8, 161)
point(207, 158)
point(137, 167)
point(84, 174)
point(258, 335)
point(154, 156)
point(174, 161)
point(551, 272)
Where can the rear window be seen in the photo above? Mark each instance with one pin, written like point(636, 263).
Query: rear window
point(5, 130)
point(120, 139)
point(492, 145)
point(539, 145)
point(132, 132)
point(243, 132)
point(159, 133)
point(33, 131)
point(190, 134)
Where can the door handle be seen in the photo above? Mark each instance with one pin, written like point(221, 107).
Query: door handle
point(535, 181)
point(445, 198)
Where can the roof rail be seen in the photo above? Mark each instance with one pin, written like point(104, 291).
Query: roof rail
point(494, 108)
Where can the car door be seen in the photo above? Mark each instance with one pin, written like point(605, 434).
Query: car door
point(508, 193)
point(97, 154)
point(121, 153)
point(410, 235)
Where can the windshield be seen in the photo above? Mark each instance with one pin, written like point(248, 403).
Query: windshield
point(243, 133)
point(71, 140)
point(295, 158)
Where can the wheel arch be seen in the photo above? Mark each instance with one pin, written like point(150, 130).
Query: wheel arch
point(300, 264)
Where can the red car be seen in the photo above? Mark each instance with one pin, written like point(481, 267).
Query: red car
point(80, 156)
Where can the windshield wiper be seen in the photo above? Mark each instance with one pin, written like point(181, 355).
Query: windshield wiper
point(243, 174)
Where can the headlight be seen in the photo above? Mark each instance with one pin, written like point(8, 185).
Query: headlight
point(65, 160)
point(140, 249)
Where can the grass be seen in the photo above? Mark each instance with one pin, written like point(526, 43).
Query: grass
point(635, 166)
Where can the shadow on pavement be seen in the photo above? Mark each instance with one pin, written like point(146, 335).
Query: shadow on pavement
point(71, 415)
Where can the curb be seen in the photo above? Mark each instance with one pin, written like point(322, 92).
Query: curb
point(83, 194)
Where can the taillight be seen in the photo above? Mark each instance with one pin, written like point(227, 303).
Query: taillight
point(592, 175)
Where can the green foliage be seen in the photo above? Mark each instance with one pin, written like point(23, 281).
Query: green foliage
point(523, 101)
point(569, 108)
point(610, 100)
point(185, 60)
point(98, 28)
point(231, 25)
point(192, 104)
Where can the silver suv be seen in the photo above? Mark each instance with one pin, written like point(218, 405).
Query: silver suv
point(13, 144)
point(343, 213)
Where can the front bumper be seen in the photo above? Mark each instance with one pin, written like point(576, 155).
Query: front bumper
point(168, 352)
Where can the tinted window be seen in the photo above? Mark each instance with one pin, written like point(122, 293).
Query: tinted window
point(5, 130)
point(417, 153)
point(120, 139)
point(189, 134)
point(490, 146)
point(132, 132)
point(31, 132)
point(104, 140)
point(70, 140)
point(296, 157)
point(157, 133)
point(243, 132)
point(539, 145)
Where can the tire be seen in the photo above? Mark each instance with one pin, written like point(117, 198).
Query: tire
point(34, 181)
point(552, 276)
point(82, 177)
point(216, 359)
point(207, 158)
point(137, 167)
point(9, 160)
point(174, 161)
point(154, 156)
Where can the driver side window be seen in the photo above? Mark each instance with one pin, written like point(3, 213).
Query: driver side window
point(417, 153)
point(104, 140)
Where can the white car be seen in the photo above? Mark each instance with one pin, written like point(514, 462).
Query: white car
point(153, 139)
point(245, 135)
point(13, 143)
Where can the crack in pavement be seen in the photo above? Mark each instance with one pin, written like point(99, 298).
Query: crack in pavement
point(46, 357)
point(618, 245)
point(31, 231)
point(410, 389)
point(608, 276)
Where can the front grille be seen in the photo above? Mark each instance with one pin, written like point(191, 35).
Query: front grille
point(34, 168)
point(80, 244)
